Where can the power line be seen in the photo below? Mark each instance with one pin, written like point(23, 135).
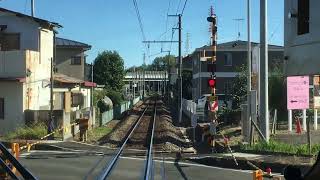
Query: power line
point(139, 19)
point(184, 6)
point(178, 7)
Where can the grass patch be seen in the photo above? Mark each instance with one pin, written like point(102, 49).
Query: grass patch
point(28, 133)
point(98, 133)
point(274, 146)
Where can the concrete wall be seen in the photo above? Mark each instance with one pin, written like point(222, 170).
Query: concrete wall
point(64, 66)
point(37, 91)
point(13, 63)
point(37, 88)
point(28, 29)
point(12, 92)
point(302, 50)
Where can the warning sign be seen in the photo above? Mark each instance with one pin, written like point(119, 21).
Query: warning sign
point(298, 92)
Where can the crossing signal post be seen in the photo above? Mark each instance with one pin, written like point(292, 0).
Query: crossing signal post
point(212, 99)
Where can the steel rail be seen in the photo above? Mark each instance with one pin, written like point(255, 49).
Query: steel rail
point(149, 161)
point(22, 170)
point(107, 171)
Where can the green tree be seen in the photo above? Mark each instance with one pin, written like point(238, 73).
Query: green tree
point(239, 87)
point(109, 70)
point(161, 63)
point(277, 88)
point(277, 91)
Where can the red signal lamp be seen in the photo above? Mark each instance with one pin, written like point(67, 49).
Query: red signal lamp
point(212, 83)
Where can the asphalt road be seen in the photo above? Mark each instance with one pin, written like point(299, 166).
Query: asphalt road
point(76, 165)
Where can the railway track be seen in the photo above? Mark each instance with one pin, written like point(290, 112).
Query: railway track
point(137, 135)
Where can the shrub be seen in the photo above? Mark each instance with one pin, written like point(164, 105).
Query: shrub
point(115, 96)
point(275, 146)
point(34, 132)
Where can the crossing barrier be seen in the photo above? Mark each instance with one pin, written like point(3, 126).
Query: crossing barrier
point(66, 129)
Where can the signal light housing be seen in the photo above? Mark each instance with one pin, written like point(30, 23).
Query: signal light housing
point(212, 82)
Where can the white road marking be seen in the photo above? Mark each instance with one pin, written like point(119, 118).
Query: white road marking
point(190, 164)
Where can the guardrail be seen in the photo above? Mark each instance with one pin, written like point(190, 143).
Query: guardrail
point(116, 111)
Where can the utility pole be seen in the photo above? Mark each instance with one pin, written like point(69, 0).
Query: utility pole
point(134, 82)
point(180, 72)
point(249, 63)
point(144, 75)
point(53, 60)
point(264, 104)
point(180, 61)
point(92, 92)
point(32, 8)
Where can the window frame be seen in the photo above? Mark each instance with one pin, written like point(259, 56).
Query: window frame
point(73, 60)
point(227, 57)
point(303, 23)
point(227, 87)
point(10, 34)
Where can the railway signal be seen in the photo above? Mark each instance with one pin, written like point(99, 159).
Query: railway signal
point(213, 100)
point(212, 83)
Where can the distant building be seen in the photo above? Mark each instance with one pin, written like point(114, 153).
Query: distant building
point(26, 51)
point(71, 58)
point(70, 78)
point(230, 56)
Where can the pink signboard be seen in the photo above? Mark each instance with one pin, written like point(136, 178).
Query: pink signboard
point(298, 92)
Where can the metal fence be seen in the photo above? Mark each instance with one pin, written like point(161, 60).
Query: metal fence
point(117, 111)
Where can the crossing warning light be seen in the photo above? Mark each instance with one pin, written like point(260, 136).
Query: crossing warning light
point(212, 83)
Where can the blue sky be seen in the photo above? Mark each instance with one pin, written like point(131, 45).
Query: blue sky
point(113, 24)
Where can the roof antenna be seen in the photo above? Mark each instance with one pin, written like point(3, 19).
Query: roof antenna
point(32, 8)
point(239, 20)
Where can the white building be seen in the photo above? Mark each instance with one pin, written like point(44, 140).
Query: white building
point(302, 37)
point(26, 50)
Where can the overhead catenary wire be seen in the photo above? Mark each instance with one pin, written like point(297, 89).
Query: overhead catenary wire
point(184, 6)
point(135, 4)
point(178, 7)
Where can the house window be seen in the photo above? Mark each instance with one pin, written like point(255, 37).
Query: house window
point(303, 17)
point(76, 60)
point(228, 59)
point(1, 108)
point(227, 87)
point(77, 99)
point(9, 41)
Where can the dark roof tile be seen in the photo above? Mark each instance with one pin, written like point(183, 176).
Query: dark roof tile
point(70, 43)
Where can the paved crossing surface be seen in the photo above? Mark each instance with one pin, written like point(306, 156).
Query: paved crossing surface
point(76, 165)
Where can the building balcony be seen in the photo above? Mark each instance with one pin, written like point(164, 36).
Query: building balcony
point(18, 64)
